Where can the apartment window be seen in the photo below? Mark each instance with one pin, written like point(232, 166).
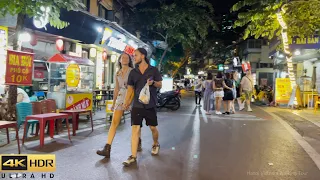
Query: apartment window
point(87, 4)
point(254, 43)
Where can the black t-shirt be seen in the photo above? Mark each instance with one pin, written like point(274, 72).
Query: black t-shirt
point(138, 81)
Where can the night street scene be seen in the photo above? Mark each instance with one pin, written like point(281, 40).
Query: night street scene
point(160, 89)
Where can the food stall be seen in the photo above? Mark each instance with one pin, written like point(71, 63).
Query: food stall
point(71, 81)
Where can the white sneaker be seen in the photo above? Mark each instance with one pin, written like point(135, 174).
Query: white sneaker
point(249, 109)
point(155, 149)
point(130, 161)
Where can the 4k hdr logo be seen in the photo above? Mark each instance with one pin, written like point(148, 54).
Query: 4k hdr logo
point(28, 163)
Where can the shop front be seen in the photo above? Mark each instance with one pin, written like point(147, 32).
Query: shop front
point(114, 44)
point(305, 65)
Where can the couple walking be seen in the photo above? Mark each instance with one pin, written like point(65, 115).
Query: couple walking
point(129, 83)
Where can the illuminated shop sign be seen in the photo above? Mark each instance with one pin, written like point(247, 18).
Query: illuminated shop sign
point(129, 50)
point(117, 44)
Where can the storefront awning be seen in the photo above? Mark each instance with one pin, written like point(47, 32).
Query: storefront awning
point(64, 58)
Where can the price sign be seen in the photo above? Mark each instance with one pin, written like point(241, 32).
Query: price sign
point(19, 68)
point(73, 75)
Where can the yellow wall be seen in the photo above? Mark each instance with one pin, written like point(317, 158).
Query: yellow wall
point(94, 8)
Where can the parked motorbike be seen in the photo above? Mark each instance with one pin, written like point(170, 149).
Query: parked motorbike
point(170, 100)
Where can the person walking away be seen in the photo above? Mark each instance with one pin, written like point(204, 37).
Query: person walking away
point(140, 76)
point(121, 79)
point(234, 90)
point(207, 94)
point(237, 83)
point(198, 90)
point(246, 88)
point(218, 91)
point(228, 93)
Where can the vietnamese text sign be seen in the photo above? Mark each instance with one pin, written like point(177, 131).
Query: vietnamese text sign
point(73, 75)
point(19, 68)
point(283, 90)
point(79, 101)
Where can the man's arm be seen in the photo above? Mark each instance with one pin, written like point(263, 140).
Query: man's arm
point(157, 80)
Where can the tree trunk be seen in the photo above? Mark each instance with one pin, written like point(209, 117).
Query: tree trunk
point(162, 57)
point(287, 51)
point(182, 63)
point(12, 98)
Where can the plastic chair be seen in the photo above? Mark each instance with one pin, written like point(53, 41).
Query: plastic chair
point(37, 109)
point(24, 110)
point(33, 99)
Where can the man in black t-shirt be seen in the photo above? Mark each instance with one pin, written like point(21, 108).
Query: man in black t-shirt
point(138, 78)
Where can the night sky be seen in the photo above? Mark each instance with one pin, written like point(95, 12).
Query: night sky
point(222, 6)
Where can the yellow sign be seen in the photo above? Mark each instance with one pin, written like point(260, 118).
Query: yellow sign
point(283, 90)
point(28, 163)
point(106, 34)
point(73, 75)
point(79, 101)
point(108, 106)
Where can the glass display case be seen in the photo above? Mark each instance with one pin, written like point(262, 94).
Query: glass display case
point(71, 81)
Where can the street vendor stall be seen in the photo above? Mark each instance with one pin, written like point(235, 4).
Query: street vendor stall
point(71, 82)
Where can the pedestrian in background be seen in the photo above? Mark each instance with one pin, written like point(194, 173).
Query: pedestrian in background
point(246, 88)
point(218, 91)
point(208, 84)
point(228, 93)
point(234, 90)
point(198, 90)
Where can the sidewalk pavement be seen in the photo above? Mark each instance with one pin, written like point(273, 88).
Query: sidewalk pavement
point(305, 122)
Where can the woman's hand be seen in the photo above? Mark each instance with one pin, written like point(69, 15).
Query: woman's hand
point(112, 107)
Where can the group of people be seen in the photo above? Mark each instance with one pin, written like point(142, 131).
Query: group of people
point(130, 81)
point(226, 87)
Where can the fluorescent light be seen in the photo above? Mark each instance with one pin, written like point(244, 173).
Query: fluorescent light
point(25, 37)
point(297, 53)
point(99, 29)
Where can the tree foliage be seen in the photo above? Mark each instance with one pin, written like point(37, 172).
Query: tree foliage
point(302, 17)
point(182, 21)
point(32, 8)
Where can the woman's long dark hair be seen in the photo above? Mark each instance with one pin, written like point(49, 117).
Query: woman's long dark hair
point(219, 75)
point(130, 61)
point(145, 53)
point(210, 76)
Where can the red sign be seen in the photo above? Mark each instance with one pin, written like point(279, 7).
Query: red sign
point(82, 104)
point(129, 50)
point(246, 66)
point(19, 68)
point(38, 74)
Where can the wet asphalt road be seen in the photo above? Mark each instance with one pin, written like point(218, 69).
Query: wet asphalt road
point(194, 146)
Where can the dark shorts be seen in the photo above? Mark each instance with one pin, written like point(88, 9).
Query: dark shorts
point(138, 114)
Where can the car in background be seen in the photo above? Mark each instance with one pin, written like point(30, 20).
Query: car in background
point(179, 83)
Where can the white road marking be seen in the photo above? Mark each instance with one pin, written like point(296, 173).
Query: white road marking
point(303, 143)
